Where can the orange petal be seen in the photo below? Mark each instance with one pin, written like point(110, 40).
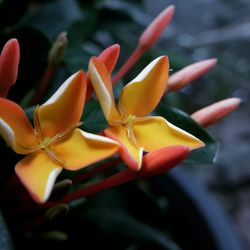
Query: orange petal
point(141, 96)
point(109, 57)
point(131, 154)
point(64, 109)
point(102, 85)
point(38, 174)
point(16, 128)
point(82, 149)
point(156, 132)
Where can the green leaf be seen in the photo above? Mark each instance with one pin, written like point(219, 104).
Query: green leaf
point(205, 155)
point(93, 118)
point(53, 17)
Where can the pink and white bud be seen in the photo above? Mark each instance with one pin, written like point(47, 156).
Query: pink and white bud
point(186, 75)
point(9, 61)
point(213, 113)
point(152, 33)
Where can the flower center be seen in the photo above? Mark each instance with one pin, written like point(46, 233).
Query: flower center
point(45, 143)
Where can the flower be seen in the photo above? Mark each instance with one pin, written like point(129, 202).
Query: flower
point(55, 142)
point(9, 61)
point(128, 123)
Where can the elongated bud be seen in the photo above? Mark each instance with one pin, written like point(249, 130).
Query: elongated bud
point(213, 113)
point(57, 50)
point(189, 73)
point(152, 33)
point(9, 61)
point(162, 160)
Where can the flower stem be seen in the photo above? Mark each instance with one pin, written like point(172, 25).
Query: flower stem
point(138, 52)
point(43, 84)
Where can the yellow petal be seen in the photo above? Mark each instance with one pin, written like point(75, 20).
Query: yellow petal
point(131, 154)
point(102, 85)
point(82, 149)
point(16, 128)
point(156, 132)
point(141, 95)
point(64, 109)
point(38, 174)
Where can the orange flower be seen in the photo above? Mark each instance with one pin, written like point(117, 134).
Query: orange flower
point(55, 142)
point(128, 123)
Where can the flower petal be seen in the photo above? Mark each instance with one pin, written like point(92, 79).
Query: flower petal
point(102, 85)
point(64, 109)
point(109, 57)
point(131, 154)
point(142, 94)
point(155, 132)
point(16, 128)
point(82, 149)
point(38, 173)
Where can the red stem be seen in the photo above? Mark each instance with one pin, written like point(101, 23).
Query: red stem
point(139, 51)
point(96, 170)
point(43, 84)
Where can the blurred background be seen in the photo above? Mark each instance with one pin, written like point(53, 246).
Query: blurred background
point(200, 29)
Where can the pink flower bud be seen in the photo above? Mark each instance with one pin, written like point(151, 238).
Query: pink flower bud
point(162, 160)
point(9, 61)
point(211, 114)
point(154, 30)
point(189, 73)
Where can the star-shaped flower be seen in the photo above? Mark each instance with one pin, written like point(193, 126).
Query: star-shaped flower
point(128, 123)
point(55, 142)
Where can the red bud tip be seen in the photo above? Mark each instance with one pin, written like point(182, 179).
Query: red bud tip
point(162, 160)
point(9, 61)
point(211, 114)
point(152, 33)
point(109, 56)
point(189, 73)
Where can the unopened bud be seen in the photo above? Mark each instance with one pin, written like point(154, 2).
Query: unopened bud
point(183, 77)
point(211, 114)
point(57, 50)
point(160, 161)
point(152, 33)
point(9, 61)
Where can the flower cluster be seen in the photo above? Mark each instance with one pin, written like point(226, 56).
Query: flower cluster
point(148, 145)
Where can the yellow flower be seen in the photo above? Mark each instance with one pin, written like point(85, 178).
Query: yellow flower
point(55, 142)
point(128, 123)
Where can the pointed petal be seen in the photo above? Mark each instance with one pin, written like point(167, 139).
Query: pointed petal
point(16, 128)
point(64, 109)
point(82, 149)
point(156, 132)
point(109, 57)
point(141, 96)
point(131, 154)
point(102, 85)
point(38, 174)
